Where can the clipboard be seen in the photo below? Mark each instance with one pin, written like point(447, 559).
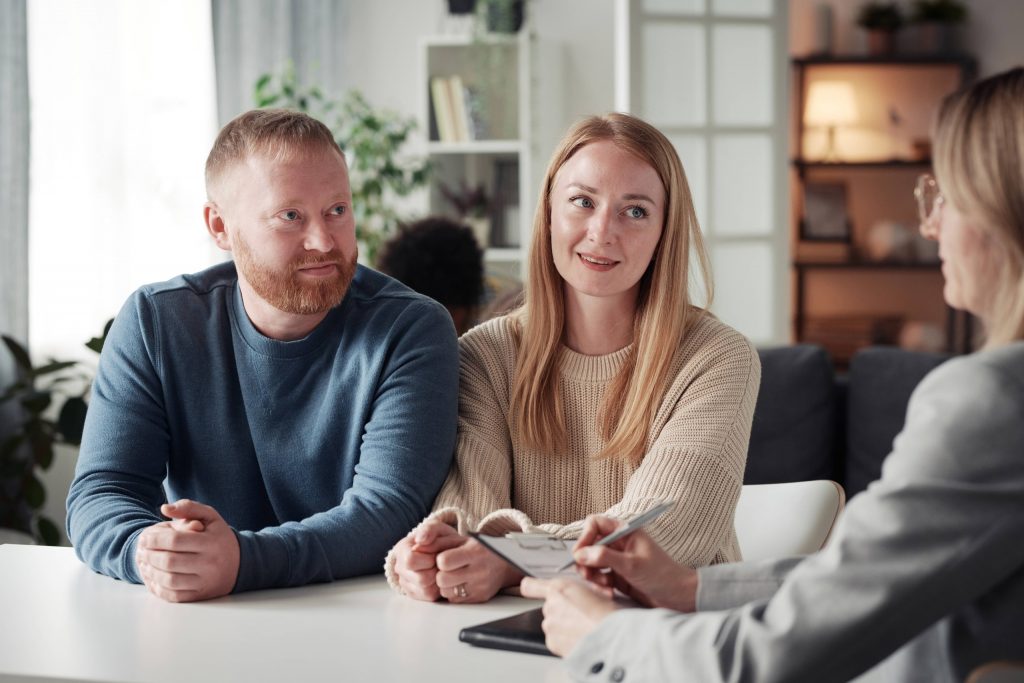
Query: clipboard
point(537, 555)
point(519, 633)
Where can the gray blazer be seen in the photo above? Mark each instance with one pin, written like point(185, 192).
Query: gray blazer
point(922, 580)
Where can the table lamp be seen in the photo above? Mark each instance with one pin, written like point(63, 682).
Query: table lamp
point(830, 104)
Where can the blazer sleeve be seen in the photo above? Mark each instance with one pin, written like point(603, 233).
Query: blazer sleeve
point(941, 528)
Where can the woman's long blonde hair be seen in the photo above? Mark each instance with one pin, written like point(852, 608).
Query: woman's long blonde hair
point(664, 307)
point(979, 163)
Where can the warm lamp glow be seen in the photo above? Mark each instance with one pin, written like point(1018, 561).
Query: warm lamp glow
point(830, 104)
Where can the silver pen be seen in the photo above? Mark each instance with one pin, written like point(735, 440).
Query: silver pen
point(630, 527)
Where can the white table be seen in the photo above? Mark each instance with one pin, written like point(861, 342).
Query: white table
point(61, 621)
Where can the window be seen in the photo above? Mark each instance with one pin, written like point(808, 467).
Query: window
point(123, 115)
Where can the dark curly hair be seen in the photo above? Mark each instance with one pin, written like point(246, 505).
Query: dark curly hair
point(438, 257)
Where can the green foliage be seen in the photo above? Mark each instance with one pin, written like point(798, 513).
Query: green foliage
point(28, 448)
point(943, 11)
point(371, 140)
point(880, 16)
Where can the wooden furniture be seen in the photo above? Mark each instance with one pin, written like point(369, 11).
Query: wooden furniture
point(64, 622)
point(860, 272)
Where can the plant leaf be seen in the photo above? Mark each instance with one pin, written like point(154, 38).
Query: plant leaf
point(21, 357)
point(96, 343)
point(48, 532)
point(35, 494)
point(54, 366)
point(36, 401)
point(71, 420)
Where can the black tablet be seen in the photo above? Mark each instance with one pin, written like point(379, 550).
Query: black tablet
point(519, 633)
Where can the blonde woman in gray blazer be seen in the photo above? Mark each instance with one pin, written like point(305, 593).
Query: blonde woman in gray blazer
point(923, 579)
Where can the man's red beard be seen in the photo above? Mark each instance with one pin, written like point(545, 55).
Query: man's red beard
point(286, 290)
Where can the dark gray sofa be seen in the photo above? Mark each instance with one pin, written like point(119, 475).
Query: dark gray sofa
point(810, 423)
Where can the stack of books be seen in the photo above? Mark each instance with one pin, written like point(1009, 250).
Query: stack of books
point(457, 110)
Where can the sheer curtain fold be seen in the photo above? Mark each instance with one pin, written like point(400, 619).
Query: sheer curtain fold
point(254, 37)
point(14, 164)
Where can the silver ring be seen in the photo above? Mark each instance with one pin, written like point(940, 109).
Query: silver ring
point(460, 591)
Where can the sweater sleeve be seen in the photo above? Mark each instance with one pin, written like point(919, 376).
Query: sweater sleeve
point(118, 486)
point(480, 478)
point(698, 458)
point(938, 532)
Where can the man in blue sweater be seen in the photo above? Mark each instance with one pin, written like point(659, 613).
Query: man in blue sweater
point(299, 408)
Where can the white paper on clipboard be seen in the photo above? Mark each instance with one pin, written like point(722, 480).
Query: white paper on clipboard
point(537, 555)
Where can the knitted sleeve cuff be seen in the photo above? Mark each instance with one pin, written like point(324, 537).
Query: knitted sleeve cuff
point(500, 522)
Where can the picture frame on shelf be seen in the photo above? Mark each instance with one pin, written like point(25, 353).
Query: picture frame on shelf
point(825, 218)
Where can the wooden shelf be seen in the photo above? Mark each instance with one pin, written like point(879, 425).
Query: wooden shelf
point(965, 62)
point(869, 265)
point(803, 164)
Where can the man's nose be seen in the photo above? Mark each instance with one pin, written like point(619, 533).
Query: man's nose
point(318, 236)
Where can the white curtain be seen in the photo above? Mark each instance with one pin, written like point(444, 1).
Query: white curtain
point(254, 37)
point(14, 127)
point(123, 116)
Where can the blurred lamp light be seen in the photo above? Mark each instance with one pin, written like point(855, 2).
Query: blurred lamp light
point(830, 104)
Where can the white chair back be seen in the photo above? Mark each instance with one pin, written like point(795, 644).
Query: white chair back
point(782, 520)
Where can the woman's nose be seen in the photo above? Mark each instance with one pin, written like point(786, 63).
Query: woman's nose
point(599, 229)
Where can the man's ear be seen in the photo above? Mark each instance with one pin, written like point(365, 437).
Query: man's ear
point(215, 225)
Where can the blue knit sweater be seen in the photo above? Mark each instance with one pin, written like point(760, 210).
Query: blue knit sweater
point(321, 453)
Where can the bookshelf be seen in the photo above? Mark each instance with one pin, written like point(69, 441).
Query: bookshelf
point(484, 130)
point(860, 273)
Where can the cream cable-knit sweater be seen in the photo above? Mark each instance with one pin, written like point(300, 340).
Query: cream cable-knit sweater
point(696, 447)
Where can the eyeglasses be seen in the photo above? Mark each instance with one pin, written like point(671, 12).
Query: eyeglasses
point(929, 197)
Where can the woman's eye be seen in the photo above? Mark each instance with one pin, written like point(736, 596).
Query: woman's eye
point(290, 215)
point(582, 202)
point(636, 212)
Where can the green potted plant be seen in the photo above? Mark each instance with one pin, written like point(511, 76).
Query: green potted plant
point(882, 21)
point(501, 16)
point(27, 447)
point(937, 22)
point(372, 141)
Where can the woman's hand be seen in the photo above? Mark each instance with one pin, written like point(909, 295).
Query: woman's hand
point(416, 558)
point(638, 567)
point(472, 573)
point(572, 609)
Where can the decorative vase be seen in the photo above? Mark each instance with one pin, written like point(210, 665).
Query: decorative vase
point(881, 43)
point(936, 38)
point(481, 226)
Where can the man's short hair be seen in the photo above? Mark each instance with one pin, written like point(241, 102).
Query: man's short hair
point(280, 134)
point(437, 257)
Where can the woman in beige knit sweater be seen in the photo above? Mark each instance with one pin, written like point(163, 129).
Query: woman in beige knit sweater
point(607, 391)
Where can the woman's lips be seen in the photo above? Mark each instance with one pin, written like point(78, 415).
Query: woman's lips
point(598, 263)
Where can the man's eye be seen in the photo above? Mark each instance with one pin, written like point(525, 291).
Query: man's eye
point(290, 215)
point(582, 202)
point(339, 210)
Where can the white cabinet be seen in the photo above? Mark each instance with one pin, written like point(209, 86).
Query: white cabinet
point(485, 130)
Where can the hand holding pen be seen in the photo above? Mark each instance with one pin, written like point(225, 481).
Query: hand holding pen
point(633, 564)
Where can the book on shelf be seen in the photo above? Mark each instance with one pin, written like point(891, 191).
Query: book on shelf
point(459, 111)
point(441, 100)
